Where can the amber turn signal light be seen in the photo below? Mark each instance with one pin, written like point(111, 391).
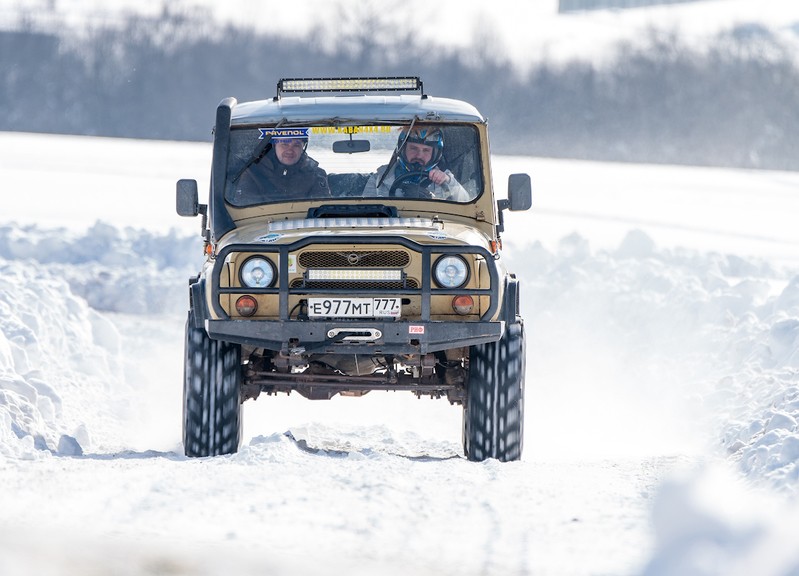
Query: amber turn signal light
point(462, 304)
point(246, 305)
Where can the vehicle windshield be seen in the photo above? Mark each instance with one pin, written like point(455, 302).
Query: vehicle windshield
point(436, 162)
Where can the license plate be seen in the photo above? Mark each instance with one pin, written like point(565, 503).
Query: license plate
point(354, 307)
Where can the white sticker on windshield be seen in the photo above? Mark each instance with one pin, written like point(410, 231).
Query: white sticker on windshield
point(283, 133)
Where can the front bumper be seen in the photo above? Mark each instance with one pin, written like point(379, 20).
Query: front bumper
point(425, 291)
point(331, 337)
point(362, 336)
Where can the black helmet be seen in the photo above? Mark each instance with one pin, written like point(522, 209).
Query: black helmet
point(427, 135)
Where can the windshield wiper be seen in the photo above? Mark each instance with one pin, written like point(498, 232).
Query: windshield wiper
point(259, 152)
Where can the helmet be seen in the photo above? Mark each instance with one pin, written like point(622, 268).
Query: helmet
point(427, 135)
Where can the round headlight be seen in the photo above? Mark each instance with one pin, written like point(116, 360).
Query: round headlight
point(257, 272)
point(451, 272)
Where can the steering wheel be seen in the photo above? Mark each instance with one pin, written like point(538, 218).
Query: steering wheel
point(417, 190)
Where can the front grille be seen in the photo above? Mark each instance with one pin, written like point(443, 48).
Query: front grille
point(354, 258)
point(350, 285)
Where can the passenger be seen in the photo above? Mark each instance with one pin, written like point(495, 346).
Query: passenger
point(420, 154)
point(286, 172)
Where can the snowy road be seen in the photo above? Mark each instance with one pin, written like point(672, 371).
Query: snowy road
point(662, 335)
point(381, 487)
point(372, 507)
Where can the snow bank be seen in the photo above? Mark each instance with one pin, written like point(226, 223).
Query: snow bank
point(61, 363)
point(713, 338)
point(57, 363)
point(710, 338)
point(721, 330)
point(700, 345)
point(707, 523)
point(114, 270)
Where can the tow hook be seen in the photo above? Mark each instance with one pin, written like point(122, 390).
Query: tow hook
point(354, 334)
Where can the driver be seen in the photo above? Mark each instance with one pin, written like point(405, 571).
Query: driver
point(418, 164)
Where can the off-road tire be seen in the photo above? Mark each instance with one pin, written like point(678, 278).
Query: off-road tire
point(211, 394)
point(493, 412)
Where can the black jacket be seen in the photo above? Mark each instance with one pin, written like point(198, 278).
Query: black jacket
point(269, 180)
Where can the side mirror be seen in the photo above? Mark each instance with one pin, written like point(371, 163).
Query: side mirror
point(187, 198)
point(351, 146)
point(520, 192)
point(520, 197)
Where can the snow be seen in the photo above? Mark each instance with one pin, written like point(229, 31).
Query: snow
point(662, 309)
point(662, 306)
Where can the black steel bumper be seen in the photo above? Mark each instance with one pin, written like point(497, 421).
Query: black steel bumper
point(331, 337)
point(379, 336)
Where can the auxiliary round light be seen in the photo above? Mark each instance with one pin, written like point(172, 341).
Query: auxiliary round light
point(451, 272)
point(246, 305)
point(258, 272)
point(463, 304)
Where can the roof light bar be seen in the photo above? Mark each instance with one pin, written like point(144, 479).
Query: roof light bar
point(364, 84)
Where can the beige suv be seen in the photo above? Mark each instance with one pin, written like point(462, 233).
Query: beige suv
point(368, 260)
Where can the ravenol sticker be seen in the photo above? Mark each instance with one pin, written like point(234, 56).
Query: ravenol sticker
point(437, 235)
point(283, 133)
point(269, 238)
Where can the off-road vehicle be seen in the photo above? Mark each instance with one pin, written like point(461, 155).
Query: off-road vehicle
point(355, 285)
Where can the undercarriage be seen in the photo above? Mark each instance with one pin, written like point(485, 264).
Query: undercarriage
point(321, 377)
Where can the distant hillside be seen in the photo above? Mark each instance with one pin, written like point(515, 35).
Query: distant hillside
point(735, 103)
point(574, 5)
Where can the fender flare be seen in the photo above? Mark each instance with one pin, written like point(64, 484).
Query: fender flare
point(510, 301)
point(197, 301)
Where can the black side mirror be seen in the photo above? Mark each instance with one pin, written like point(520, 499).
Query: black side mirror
point(187, 198)
point(520, 197)
point(520, 192)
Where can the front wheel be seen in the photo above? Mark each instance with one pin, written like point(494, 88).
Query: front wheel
point(493, 411)
point(211, 394)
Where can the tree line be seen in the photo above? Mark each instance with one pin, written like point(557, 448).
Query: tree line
point(733, 103)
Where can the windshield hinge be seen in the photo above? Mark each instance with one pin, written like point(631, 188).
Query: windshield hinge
point(480, 215)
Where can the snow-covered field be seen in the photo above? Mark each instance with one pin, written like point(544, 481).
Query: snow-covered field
point(662, 307)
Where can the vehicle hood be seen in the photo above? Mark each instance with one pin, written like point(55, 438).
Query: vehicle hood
point(421, 230)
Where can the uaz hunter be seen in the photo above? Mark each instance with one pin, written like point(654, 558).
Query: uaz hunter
point(352, 244)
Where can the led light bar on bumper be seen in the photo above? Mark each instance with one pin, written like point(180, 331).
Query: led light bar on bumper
point(364, 275)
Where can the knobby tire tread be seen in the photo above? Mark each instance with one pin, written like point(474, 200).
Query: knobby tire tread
point(493, 423)
point(211, 395)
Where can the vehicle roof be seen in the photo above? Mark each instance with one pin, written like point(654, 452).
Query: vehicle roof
point(365, 108)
